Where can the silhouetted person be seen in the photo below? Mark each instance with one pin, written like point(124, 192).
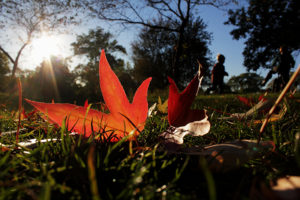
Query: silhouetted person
point(282, 65)
point(217, 75)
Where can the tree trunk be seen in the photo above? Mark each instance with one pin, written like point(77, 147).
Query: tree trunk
point(175, 64)
point(179, 45)
point(15, 67)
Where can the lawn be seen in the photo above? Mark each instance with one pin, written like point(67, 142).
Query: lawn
point(66, 166)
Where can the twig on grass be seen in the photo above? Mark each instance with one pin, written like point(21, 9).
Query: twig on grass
point(284, 91)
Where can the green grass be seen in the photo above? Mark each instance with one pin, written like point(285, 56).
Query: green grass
point(76, 168)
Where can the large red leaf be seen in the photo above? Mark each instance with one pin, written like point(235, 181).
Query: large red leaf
point(179, 112)
point(124, 117)
point(74, 115)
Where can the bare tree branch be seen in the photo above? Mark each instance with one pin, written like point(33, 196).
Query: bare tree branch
point(169, 8)
point(127, 21)
point(7, 54)
point(15, 67)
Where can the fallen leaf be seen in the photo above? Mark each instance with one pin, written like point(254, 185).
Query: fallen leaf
point(151, 110)
point(174, 136)
point(233, 154)
point(179, 112)
point(124, 118)
point(3, 148)
point(274, 117)
point(249, 101)
point(261, 107)
point(182, 119)
point(229, 155)
point(25, 115)
point(162, 107)
point(288, 188)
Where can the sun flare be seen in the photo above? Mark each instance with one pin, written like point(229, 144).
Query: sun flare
point(45, 46)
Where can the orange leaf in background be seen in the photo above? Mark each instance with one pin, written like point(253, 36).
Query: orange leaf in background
point(179, 112)
point(124, 117)
point(25, 115)
point(247, 101)
point(4, 149)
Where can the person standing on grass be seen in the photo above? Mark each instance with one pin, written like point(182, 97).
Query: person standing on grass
point(217, 75)
point(282, 65)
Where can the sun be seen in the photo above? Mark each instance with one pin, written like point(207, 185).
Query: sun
point(46, 46)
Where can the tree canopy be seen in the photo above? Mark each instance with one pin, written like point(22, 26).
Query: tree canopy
point(89, 45)
point(245, 82)
point(154, 49)
point(52, 80)
point(4, 70)
point(266, 25)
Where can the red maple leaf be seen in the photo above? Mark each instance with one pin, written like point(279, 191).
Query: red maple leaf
point(183, 120)
point(179, 112)
point(124, 117)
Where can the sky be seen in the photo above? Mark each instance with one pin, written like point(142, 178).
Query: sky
point(214, 18)
point(222, 41)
